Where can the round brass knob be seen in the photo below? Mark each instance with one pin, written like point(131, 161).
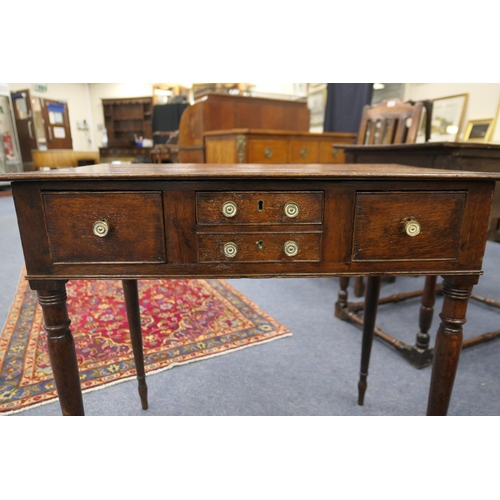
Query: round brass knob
point(304, 152)
point(229, 208)
point(335, 152)
point(412, 227)
point(291, 248)
point(268, 152)
point(100, 228)
point(292, 209)
point(230, 249)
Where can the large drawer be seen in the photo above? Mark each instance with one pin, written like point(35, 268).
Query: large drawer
point(260, 247)
point(408, 225)
point(105, 227)
point(286, 207)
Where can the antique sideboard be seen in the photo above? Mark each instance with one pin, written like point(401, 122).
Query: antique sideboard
point(275, 146)
point(249, 220)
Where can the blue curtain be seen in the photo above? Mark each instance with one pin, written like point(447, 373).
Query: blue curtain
point(344, 106)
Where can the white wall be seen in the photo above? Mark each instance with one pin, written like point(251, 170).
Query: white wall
point(482, 102)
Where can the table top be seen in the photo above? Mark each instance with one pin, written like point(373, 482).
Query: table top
point(194, 171)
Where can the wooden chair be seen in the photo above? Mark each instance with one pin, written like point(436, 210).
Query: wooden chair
point(390, 122)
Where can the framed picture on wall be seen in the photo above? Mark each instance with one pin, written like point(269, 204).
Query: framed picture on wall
point(478, 130)
point(495, 127)
point(447, 116)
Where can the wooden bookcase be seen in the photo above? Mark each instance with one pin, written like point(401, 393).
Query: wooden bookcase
point(125, 117)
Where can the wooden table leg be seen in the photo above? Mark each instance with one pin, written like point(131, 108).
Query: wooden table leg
point(131, 294)
point(456, 291)
point(61, 346)
point(371, 304)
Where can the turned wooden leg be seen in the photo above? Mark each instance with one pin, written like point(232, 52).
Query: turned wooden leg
point(61, 347)
point(341, 304)
point(131, 294)
point(456, 291)
point(359, 286)
point(426, 312)
point(370, 316)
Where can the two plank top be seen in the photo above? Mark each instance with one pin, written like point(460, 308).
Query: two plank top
point(194, 171)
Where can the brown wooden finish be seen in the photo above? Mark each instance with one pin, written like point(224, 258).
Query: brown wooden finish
point(225, 112)
point(64, 158)
point(131, 294)
point(167, 221)
point(390, 122)
point(275, 146)
point(462, 156)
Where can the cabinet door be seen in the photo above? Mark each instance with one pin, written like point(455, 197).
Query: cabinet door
point(56, 122)
point(25, 125)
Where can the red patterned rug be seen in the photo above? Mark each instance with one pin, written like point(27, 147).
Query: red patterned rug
point(182, 321)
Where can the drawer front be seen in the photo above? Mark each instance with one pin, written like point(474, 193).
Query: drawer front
point(129, 227)
point(260, 207)
point(260, 247)
point(267, 151)
point(329, 152)
point(408, 225)
point(303, 151)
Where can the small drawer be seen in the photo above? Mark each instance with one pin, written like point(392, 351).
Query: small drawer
point(105, 227)
point(330, 152)
point(259, 247)
point(260, 207)
point(408, 225)
point(303, 151)
point(267, 151)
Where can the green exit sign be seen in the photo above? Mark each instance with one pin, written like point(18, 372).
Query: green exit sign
point(40, 88)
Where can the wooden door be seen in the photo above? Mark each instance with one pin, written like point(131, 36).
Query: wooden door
point(56, 123)
point(26, 132)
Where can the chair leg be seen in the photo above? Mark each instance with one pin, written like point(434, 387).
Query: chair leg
point(359, 286)
point(371, 303)
point(131, 294)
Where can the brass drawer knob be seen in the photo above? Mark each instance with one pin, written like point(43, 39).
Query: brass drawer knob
point(412, 227)
point(229, 208)
point(292, 210)
point(100, 228)
point(335, 152)
point(304, 152)
point(291, 248)
point(230, 249)
point(268, 152)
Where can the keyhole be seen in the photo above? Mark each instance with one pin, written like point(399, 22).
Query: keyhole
point(260, 245)
point(260, 206)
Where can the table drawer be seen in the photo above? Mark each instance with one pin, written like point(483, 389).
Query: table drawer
point(105, 227)
point(260, 247)
point(408, 225)
point(267, 151)
point(330, 152)
point(288, 207)
point(303, 151)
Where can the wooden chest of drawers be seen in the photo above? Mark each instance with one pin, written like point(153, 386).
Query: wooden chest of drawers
point(273, 146)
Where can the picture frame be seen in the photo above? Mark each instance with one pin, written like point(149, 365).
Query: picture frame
point(447, 117)
point(478, 130)
point(495, 127)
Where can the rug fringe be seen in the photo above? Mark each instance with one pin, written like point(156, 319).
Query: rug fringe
point(154, 372)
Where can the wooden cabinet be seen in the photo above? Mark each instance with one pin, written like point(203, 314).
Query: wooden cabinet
point(274, 146)
point(125, 118)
